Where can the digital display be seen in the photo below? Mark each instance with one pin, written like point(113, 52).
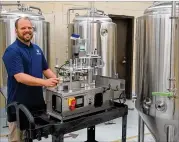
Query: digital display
point(79, 101)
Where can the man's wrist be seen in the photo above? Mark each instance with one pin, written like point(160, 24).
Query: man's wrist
point(43, 82)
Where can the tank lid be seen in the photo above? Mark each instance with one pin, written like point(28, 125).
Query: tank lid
point(21, 12)
point(161, 8)
point(95, 17)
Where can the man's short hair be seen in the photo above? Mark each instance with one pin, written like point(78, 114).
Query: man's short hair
point(16, 22)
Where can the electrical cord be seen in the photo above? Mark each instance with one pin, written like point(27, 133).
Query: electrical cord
point(122, 96)
point(106, 89)
point(62, 69)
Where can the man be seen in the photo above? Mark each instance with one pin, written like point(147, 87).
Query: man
point(25, 65)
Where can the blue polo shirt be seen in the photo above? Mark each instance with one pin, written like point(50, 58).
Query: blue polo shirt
point(20, 58)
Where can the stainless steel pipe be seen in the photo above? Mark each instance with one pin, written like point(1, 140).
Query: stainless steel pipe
point(71, 9)
point(82, 8)
point(140, 130)
point(172, 46)
point(33, 7)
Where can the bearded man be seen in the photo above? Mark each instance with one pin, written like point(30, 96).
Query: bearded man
point(25, 64)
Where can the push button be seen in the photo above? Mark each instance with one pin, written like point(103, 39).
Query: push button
point(72, 103)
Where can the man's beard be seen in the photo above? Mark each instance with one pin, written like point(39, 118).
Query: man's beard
point(23, 38)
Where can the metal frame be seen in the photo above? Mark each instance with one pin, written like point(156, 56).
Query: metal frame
point(57, 129)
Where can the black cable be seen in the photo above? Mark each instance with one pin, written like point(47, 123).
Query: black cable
point(106, 89)
point(121, 97)
point(61, 68)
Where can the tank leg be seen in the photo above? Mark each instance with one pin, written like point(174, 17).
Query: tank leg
point(59, 138)
point(91, 134)
point(28, 140)
point(124, 128)
point(170, 133)
point(140, 130)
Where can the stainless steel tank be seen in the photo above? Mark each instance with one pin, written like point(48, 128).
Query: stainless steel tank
point(100, 33)
point(8, 36)
point(157, 70)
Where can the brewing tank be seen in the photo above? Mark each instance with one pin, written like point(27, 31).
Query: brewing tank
point(8, 36)
point(157, 70)
point(99, 32)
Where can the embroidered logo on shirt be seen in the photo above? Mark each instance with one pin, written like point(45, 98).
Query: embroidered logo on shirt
point(38, 52)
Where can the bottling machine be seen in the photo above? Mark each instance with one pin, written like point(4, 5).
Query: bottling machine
point(89, 82)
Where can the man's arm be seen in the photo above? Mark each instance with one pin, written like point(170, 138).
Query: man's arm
point(33, 81)
point(29, 80)
point(49, 73)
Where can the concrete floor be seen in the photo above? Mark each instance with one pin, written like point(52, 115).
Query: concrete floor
point(104, 133)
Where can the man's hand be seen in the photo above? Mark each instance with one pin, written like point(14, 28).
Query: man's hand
point(51, 82)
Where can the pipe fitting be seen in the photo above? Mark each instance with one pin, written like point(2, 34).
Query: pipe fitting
point(161, 106)
point(147, 103)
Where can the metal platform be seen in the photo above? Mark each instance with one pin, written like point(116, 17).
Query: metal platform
point(41, 125)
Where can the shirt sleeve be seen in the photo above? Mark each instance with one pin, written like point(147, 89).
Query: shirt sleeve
point(13, 62)
point(44, 63)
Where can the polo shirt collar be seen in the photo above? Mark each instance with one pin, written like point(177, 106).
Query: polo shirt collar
point(21, 44)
